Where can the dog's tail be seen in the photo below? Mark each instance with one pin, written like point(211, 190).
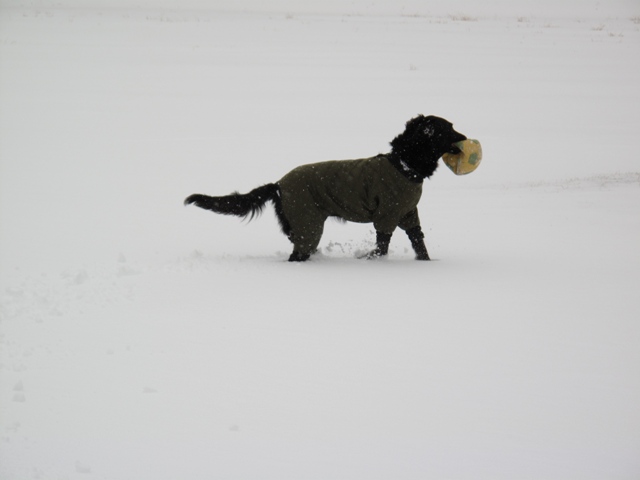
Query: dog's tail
point(249, 205)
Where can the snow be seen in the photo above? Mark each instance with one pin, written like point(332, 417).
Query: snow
point(141, 339)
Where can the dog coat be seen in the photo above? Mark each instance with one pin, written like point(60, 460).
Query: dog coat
point(364, 191)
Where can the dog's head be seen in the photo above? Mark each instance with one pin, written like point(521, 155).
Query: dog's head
point(424, 141)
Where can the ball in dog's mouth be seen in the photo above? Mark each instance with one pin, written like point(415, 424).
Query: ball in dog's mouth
point(467, 159)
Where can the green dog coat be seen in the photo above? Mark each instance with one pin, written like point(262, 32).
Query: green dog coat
point(368, 190)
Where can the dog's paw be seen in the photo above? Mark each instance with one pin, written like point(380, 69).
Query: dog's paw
point(372, 255)
point(299, 257)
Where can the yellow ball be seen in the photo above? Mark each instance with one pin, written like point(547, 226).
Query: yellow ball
point(467, 160)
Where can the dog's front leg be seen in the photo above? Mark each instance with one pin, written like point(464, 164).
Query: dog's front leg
point(382, 246)
point(417, 242)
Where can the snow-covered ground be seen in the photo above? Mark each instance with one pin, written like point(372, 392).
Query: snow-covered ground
point(143, 340)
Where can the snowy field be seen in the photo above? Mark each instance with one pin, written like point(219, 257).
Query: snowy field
point(143, 340)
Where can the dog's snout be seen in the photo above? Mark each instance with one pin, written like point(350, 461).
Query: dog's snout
point(456, 137)
point(459, 136)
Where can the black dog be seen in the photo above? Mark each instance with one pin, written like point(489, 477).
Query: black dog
point(384, 189)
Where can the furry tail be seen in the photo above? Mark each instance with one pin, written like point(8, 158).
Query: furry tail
point(249, 205)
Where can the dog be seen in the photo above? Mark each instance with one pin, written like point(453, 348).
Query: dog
point(383, 190)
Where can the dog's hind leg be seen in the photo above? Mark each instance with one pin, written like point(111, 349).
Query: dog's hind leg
point(298, 257)
point(306, 238)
